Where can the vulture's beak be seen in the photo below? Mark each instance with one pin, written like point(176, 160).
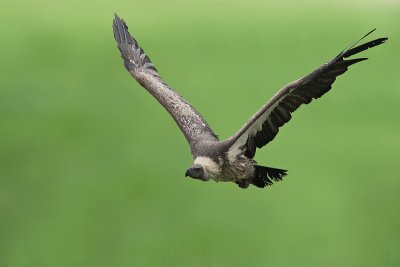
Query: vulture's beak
point(187, 173)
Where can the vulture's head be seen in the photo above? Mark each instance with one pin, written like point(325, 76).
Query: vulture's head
point(197, 172)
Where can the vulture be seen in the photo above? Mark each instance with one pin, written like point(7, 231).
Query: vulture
point(231, 160)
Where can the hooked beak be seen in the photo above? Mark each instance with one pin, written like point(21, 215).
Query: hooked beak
point(187, 173)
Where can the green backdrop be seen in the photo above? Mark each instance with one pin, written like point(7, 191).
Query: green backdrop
point(92, 168)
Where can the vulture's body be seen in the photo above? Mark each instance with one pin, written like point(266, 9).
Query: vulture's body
point(232, 159)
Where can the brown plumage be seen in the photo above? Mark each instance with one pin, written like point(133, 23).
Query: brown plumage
point(232, 159)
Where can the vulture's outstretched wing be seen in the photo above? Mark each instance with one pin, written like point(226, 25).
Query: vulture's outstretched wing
point(193, 126)
point(264, 125)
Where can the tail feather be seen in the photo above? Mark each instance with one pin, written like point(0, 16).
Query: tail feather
point(265, 176)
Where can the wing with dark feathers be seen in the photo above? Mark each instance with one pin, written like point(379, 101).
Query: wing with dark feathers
point(264, 125)
point(191, 123)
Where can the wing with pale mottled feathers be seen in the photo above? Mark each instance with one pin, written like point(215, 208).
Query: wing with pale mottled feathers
point(264, 125)
point(191, 123)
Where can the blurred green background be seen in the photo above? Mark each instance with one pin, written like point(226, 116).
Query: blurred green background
point(92, 168)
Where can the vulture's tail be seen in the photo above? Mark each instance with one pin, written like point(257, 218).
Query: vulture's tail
point(265, 176)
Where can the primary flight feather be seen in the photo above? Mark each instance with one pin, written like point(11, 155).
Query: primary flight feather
point(231, 160)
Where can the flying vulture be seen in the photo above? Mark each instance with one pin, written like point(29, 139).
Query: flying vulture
point(231, 160)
